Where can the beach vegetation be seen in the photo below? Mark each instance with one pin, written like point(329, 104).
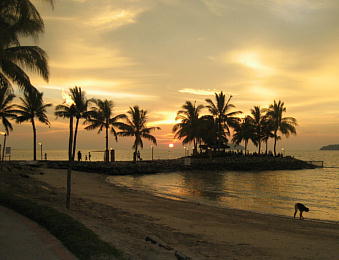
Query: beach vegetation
point(67, 111)
point(245, 131)
point(80, 111)
point(190, 127)
point(20, 18)
point(225, 118)
point(280, 124)
point(101, 117)
point(258, 119)
point(6, 108)
point(211, 130)
point(135, 125)
point(33, 108)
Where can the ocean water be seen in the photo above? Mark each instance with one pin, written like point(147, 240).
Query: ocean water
point(273, 192)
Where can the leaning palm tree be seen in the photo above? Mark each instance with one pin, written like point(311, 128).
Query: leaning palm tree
point(6, 113)
point(20, 18)
point(135, 126)
point(190, 123)
point(67, 111)
point(32, 108)
point(101, 117)
point(244, 131)
point(284, 125)
point(80, 106)
point(221, 112)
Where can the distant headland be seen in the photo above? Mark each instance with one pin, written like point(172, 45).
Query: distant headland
point(330, 147)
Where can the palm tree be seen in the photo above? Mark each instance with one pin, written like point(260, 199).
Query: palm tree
point(136, 126)
point(32, 107)
point(101, 117)
point(244, 132)
point(67, 111)
point(6, 109)
point(6, 113)
point(80, 106)
point(220, 110)
point(20, 18)
point(258, 119)
point(284, 125)
point(189, 127)
point(267, 131)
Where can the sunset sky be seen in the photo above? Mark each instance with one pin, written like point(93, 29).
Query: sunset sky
point(160, 53)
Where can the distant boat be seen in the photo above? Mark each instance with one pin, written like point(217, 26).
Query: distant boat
point(330, 147)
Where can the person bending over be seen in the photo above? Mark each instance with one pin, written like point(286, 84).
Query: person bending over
point(301, 208)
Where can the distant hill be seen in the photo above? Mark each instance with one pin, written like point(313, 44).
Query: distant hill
point(330, 147)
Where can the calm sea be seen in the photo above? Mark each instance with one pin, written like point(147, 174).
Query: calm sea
point(273, 192)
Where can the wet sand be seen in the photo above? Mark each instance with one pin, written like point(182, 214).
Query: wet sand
point(125, 217)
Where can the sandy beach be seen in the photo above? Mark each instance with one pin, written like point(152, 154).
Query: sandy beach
point(125, 218)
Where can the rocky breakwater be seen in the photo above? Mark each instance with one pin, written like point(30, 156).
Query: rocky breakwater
point(235, 163)
point(251, 163)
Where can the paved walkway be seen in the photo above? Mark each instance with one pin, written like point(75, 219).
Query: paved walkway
point(21, 238)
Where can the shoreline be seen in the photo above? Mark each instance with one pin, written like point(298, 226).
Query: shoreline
point(125, 217)
point(205, 203)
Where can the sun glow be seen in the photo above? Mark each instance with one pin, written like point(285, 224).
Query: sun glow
point(168, 119)
point(67, 98)
point(252, 60)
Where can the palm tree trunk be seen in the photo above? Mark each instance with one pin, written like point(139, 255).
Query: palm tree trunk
point(69, 169)
point(3, 149)
point(246, 142)
point(195, 149)
point(75, 137)
point(275, 142)
point(70, 140)
point(34, 139)
point(135, 154)
point(106, 151)
point(259, 144)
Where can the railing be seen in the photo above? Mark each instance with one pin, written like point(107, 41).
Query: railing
point(319, 164)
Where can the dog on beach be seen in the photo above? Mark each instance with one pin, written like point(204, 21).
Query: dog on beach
point(301, 208)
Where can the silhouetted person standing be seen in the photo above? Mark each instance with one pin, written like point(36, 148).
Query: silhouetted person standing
point(79, 156)
point(89, 156)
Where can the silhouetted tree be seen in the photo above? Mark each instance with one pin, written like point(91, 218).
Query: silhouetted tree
point(189, 128)
point(221, 112)
point(244, 132)
point(67, 111)
point(80, 111)
point(135, 126)
point(20, 18)
point(101, 117)
point(258, 118)
point(284, 125)
point(32, 108)
point(7, 111)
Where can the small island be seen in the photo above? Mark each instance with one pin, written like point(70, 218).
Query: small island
point(330, 147)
